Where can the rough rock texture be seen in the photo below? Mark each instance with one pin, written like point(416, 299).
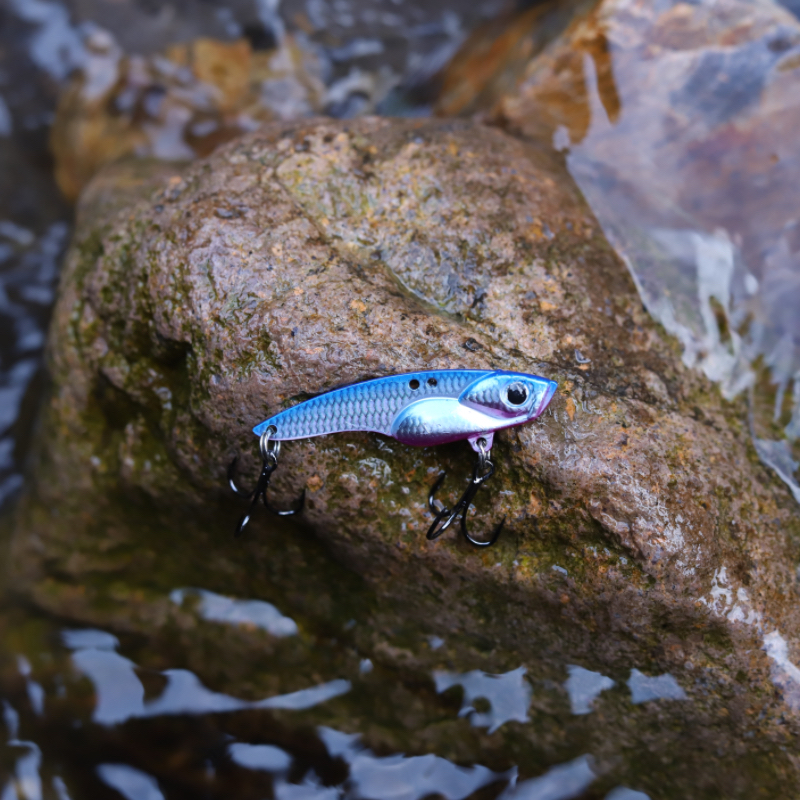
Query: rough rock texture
point(641, 532)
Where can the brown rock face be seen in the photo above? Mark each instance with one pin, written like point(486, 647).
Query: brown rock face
point(641, 531)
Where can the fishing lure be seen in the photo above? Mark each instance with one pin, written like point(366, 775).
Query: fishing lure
point(417, 408)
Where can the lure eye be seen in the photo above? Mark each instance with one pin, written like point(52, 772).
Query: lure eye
point(414, 383)
point(516, 394)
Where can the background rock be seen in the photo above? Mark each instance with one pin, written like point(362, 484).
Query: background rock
point(176, 105)
point(678, 124)
point(641, 532)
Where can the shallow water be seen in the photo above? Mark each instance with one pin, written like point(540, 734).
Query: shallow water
point(118, 712)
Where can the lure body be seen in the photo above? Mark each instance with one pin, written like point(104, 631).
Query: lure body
point(420, 408)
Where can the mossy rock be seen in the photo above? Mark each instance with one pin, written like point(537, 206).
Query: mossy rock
point(197, 301)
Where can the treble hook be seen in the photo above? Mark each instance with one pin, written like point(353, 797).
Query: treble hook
point(269, 455)
point(484, 469)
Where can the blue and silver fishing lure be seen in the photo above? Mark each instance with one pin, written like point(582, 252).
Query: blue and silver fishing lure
point(417, 408)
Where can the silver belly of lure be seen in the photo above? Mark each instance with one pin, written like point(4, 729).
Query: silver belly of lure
point(416, 408)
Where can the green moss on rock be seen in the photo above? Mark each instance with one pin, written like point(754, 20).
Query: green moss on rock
point(638, 533)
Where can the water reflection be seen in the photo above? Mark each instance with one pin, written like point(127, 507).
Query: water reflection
point(35, 691)
point(55, 45)
point(216, 608)
point(783, 672)
point(6, 123)
point(129, 782)
point(406, 778)
point(720, 290)
point(25, 782)
point(560, 783)
point(122, 706)
point(508, 695)
point(120, 697)
point(309, 789)
point(623, 793)
point(60, 788)
point(28, 273)
point(659, 687)
point(265, 757)
point(583, 687)
point(412, 778)
point(120, 694)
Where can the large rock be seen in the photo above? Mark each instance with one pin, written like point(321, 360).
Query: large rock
point(642, 531)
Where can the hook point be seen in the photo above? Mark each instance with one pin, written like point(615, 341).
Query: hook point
point(269, 464)
point(483, 470)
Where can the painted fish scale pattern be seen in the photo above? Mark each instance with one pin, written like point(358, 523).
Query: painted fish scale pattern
point(486, 397)
point(369, 406)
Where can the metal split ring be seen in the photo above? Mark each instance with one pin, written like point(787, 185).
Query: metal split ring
point(269, 450)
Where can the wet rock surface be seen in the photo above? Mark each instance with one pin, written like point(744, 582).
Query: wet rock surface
point(642, 533)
